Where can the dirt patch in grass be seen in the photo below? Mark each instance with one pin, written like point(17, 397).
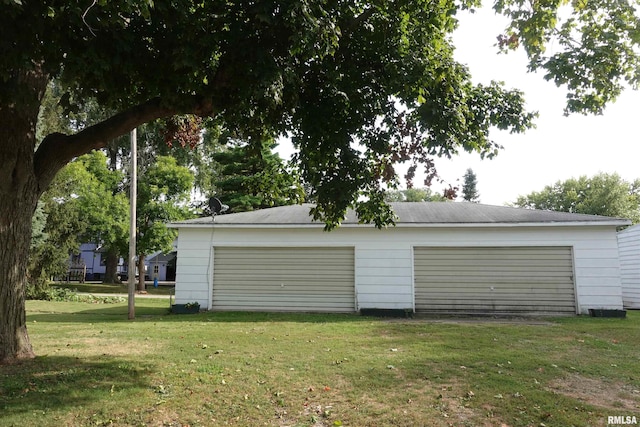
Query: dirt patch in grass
point(457, 408)
point(600, 393)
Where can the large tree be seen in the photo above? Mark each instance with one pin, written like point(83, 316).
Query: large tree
point(358, 85)
point(602, 194)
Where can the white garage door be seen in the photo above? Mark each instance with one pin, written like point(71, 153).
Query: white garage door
point(518, 280)
point(284, 279)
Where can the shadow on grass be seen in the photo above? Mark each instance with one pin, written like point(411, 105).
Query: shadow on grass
point(97, 313)
point(57, 383)
point(119, 313)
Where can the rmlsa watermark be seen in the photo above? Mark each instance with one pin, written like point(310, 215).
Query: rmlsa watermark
point(621, 420)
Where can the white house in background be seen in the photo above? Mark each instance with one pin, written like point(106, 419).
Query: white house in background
point(439, 258)
point(91, 260)
point(161, 266)
point(629, 247)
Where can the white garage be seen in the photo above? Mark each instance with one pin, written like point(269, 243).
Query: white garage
point(439, 257)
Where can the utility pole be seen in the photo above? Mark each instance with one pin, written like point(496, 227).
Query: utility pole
point(133, 194)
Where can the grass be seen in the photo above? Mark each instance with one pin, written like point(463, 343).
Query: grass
point(97, 368)
point(111, 288)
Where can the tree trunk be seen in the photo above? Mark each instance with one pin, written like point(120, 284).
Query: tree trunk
point(141, 273)
point(111, 267)
point(15, 236)
point(20, 97)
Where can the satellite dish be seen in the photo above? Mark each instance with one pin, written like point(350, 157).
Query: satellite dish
point(216, 206)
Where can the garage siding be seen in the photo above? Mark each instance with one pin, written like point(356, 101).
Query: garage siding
point(304, 279)
point(519, 280)
point(629, 248)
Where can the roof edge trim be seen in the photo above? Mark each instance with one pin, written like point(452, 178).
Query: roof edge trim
point(612, 223)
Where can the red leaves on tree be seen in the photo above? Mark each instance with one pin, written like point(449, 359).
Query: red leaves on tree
point(184, 130)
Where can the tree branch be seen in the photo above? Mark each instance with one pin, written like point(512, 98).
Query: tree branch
point(57, 149)
point(358, 20)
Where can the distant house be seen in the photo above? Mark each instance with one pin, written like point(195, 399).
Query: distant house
point(92, 257)
point(162, 266)
point(89, 265)
point(629, 246)
point(439, 258)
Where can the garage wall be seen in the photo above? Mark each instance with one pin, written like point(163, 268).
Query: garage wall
point(383, 266)
point(193, 269)
point(596, 263)
point(629, 246)
point(384, 258)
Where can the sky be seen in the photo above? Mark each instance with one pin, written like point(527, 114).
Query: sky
point(559, 148)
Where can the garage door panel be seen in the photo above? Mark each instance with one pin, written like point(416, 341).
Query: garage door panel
point(280, 278)
point(506, 308)
point(291, 308)
point(515, 271)
point(284, 279)
point(524, 280)
point(558, 262)
point(499, 291)
point(474, 295)
point(275, 288)
point(312, 262)
point(471, 280)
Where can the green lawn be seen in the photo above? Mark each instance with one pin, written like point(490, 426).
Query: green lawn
point(96, 368)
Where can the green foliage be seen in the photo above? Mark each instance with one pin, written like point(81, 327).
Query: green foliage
point(469, 187)
point(52, 293)
point(603, 194)
point(163, 192)
point(595, 44)
point(199, 158)
point(37, 259)
point(358, 86)
point(253, 177)
point(104, 208)
point(82, 203)
point(414, 195)
point(38, 224)
point(57, 225)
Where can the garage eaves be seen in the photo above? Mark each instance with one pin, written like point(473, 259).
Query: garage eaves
point(409, 214)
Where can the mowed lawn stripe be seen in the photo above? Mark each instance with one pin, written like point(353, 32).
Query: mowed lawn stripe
point(95, 367)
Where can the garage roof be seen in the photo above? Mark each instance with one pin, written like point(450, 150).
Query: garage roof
point(411, 213)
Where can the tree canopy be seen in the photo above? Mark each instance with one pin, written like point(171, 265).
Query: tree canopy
point(594, 52)
point(414, 195)
point(358, 86)
point(603, 194)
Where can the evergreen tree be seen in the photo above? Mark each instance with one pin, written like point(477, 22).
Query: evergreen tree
point(253, 177)
point(469, 187)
